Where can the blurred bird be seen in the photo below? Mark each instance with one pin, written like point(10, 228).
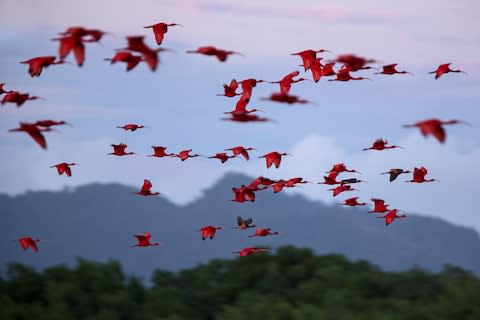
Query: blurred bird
point(146, 189)
point(143, 240)
point(394, 173)
point(419, 175)
point(159, 29)
point(444, 68)
point(434, 127)
point(64, 168)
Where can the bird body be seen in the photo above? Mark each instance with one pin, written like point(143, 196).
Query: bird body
point(353, 202)
point(444, 68)
point(380, 145)
point(419, 175)
point(119, 150)
point(220, 54)
point(263, 233)
point(379, 206)
point(146, 189)
point(28, 242)
point(143, 240)
point(209, 231)
point(159, 29)
point(434, 127)
point(244, 224)
point(394, 173)
point(274, 158)
point(36, 65)
point(391, 216)
point(64, 168)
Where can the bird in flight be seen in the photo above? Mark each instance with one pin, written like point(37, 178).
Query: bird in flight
point(239, 150)
point(342, 188)
point(28, 242)
point(143, 240)
point(160, 152)
point(36, 65)
point(244, 224)
point(341, 167)
point(220, 54)
point(395, 172)
point(308, 57)
point(286, 98)
point(249, 250)
point(50, 123)
point(390, 69)
point(209, 231)
point(353, 202)
point(185, 154)
point(146, 189)
point(434, 127)
point(34, 131)
point(444, 68)
point(391, 216)
point(64, 168)
point(18, 98)
point(344, 75)
point(419, 175)
point(286, 81)
point(222, 156)
point(380, 145)
point(263, 233)
point(379, 206)
point(119, 150)
point(230, 90)
point(131, 127)
point(354, 62)
point(127, 57)
point(159, 29)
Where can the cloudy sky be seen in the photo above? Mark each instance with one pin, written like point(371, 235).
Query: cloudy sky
point(178, 102)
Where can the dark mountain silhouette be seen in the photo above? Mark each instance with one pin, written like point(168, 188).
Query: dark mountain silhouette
point(97, 222)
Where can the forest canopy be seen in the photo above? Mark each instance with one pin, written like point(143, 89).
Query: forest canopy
point(291, 283)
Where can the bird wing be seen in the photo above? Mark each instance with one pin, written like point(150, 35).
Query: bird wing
point(439, 133)
point(394, 174)
point(38, 137)
point(159, 30)
point(79, 53)
point(147, 185)
point(68, 171)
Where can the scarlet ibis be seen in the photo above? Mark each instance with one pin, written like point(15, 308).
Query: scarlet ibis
point(419, 175)
point(379, 206)
point(342, 188)
point(355, 62)
point(159, 30)
point(243, 224)
point(230, 90)
point(64, 168)
point(34, 132)
point(394, 173)
point(239, 150)
point(29, 242)
point(434, 127)
point(222, 156)
point(125, 56)
point(341, 167)
point(241, 108)
point(380, 145)
point(209, 231)
point(391, 216)
point(444, 68)
point(390, 69)
point(50, 123)
point(245, 117)
point(285, 98)
point(278, 185)
point(261, 180)
point(36, 65)
point(136, 44)
point(247, 88)
point(274, 158)
point(220, 54)
point(249, 250)
point(263, 233)
point(331, 179)
point(308, 57)
point(344, 75)
point(18, 98)
point(286, 81)
point(318, 70)
point(119, 150)
point(327, 69)
point(159, 152)
point(71, 43)
point(146, 189)
point(95, 35)
point(143, 240)
point(185, 154)
point(242, 194)
point(292, 182)
point(151, 58)
point(353, 202)
point(131, 127)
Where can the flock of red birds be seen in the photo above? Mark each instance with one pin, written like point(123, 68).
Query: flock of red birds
point(73, 40)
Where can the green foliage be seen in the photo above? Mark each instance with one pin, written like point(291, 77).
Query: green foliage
point(291, 284)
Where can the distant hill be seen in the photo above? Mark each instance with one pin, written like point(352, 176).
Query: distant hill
point(97, 222)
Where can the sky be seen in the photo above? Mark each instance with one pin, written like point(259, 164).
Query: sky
point(179, 105)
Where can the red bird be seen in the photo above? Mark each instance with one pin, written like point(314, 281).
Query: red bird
point(220, 54)
point(50, 123)
point(28, 242)
point(241, 108)
point(209, 231)
point(379, 206)
point(146, 189)
point(354, 63)
point(244, 224)
point(434, 127)
point(391, 216)
point(380, 145)
point(331, 179)
point(159, 152)
point(352, 202)
point(245, 117)
point(391, 69)
point(350, 181)
point(318, 70)
point(247, 88)
point(278, 185)
point(143, 240)
point(342, 188)
point(308, 57)
point(184, 155)
point(286, 81)
point(249, 250)
point(230, 90)
point(159, 30)
point(341, 167)
point(64, 168)
point(292, 182)
point(444, 68)
point(222, 156)
point(242, 194)
point(125, 56)
point(34, 132)
point(36, 65)
point(260, 181)
point(274, 158)
point(239, 150)
point(328, 69)
point(394, 173)
point(344, 75)
point(131, 127)
point(70, 43)
point(18, 98)
point(119, 150)
point(419, 175)
point(149, 55)
point(285, 98)
point(263, 233)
